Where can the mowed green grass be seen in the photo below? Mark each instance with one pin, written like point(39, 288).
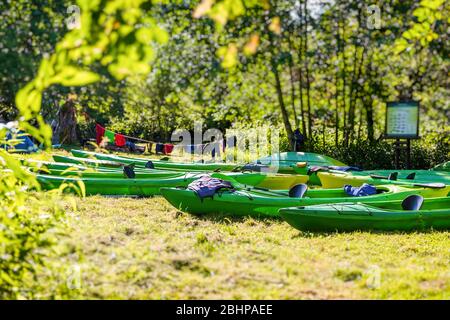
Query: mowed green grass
point(123, 248)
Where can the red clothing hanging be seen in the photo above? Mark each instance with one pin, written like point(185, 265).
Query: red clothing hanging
point(120, 140)
point(99, 133)
point(168, 148)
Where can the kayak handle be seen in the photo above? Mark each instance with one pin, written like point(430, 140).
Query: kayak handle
point(435, 185)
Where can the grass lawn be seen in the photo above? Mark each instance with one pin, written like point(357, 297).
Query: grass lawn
point(124, 248)
point(146, 249)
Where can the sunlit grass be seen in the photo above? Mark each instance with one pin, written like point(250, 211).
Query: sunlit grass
point(146, 249)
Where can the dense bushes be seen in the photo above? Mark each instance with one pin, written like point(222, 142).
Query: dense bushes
point(430, 150)
point(28, 223)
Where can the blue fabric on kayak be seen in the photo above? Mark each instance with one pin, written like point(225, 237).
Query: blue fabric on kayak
point(207, 186)
point(25, 146)
point(364, 190)
point(345, 168)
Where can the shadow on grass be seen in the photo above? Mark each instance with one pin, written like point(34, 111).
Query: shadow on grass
point(227, 218)
point(268, 220)
point(321, 234)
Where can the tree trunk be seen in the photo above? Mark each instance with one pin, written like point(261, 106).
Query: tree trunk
point(67, 122)
point(308, 85)
point(300, 72)
point(284, 113)
point(351, 110)
point(370, 120)
point(336, 128)
point(336, 133)
point(291, 75)
point(279, 90)
point(358, 139)
point(341, 49)
point(356, 74)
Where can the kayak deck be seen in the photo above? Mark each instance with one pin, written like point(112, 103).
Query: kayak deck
point(259, 202)
point(386, 216)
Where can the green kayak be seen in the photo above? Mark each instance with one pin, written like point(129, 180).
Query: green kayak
point(285, 162)
point(158, 164)
point(442, 167)
point(116, 174)
point(270, 181)
point(88, 162)
point(418, 175)
point(389, 215)
point(284, 159)
point(137, 187)
point(262, 202)
point(46, 166)
point(38, 165)
point(290, 159)
point(337, 179)
point(124, 186)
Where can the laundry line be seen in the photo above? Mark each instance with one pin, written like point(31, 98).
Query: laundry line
point(122, 140)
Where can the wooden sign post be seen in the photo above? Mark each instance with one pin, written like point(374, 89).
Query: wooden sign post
point(402, 124)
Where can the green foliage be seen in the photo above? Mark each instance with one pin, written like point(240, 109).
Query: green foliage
point(217, 67)
point(117, 35)
point(430, 14)
point(28, 223)
point(114, 34)
point(204, 72)
point(29, 31)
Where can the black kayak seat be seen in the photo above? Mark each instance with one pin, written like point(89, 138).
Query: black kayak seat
point(393, 176)
point(298, 191)
point(150, 165)
point(129, 172)
point(413, 202)
point(411, 176)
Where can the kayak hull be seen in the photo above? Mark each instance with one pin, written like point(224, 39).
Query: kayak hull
point(263, 180)
point(282, 182)
point(261, 203)
point(340, 179)
point(69, 169)
point(357, 216)
point(88, 162)
point(159, 164)
point(287, 159)
point(145, 184)
point(442, 167)
point(123, 187)
point(282, 163)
